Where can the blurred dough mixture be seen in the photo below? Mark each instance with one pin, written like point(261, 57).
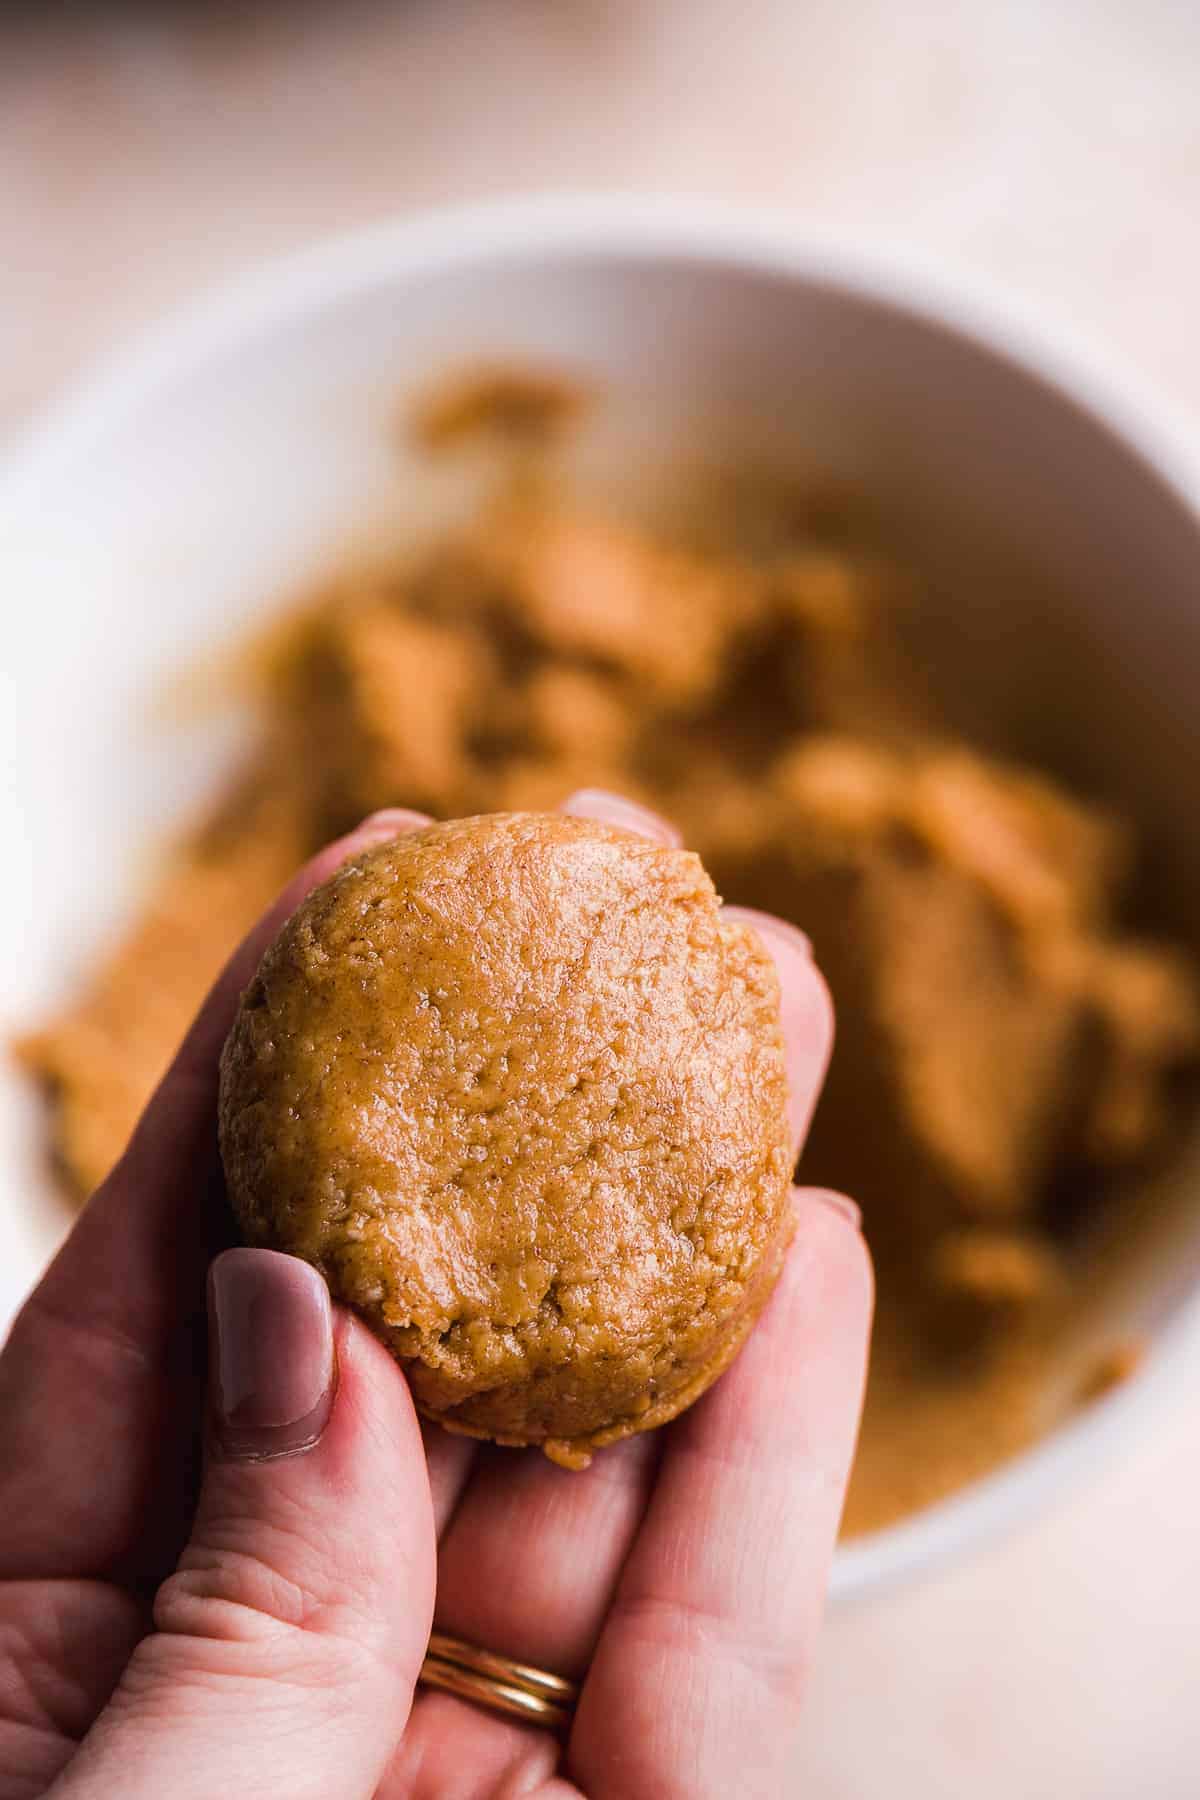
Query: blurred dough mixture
point(1003, 1041)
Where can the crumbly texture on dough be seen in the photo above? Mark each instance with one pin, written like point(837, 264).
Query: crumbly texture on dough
point(517, 1088)
point(1008, 1051)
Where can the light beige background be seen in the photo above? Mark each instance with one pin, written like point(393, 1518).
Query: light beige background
point(1053, 145)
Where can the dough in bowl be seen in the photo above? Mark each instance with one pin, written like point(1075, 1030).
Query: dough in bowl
point(517, 1088)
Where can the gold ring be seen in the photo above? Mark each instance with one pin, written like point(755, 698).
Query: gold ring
point(516, 1689)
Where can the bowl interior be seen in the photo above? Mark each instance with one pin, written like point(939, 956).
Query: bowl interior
point(162, 518)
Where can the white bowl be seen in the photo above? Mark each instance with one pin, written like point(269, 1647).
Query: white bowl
point(197, 480)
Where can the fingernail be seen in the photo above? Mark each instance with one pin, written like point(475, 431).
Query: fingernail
point(625, 815)
point(379, 828)
point(838, 1203)
point(271, 1354)
point(390, 821)
point(769, 926)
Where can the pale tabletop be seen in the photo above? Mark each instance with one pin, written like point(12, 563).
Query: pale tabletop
point(1051, 145)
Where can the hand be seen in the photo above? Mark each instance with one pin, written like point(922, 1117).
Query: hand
point(257, 1629)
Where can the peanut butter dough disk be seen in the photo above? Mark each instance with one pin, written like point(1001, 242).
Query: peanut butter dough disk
point(517, 1088)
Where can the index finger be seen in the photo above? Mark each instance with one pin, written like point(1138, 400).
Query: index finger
point(97, 1375)
point(110, 1259)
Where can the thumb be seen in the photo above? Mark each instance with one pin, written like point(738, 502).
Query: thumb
point(287, 1643)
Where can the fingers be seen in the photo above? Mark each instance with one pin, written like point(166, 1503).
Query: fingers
point(287, 1643)
point(806, 1013)
point(450, 1459)
point(700, 1669)
point(626, 815)
point(528, 1567)
point(101, 1373)
point(533, 1556)
point(531, 1559)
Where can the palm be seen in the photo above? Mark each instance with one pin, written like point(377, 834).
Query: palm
point(95, 1517)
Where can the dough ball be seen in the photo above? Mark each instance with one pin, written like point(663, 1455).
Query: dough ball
point(517, 1088)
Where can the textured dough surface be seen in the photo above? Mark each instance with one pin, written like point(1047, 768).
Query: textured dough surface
point(517, 1088)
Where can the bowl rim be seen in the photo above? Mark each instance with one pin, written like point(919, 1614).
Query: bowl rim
point(1077, 371)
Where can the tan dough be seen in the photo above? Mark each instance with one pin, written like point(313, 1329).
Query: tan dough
point(517, 1088)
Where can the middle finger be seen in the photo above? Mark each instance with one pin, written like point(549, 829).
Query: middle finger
point(532, 1556)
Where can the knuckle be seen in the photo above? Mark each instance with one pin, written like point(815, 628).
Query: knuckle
point(226, 1619)
point(230, 1596)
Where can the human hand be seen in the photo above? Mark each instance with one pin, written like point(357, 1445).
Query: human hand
point(261, 1629)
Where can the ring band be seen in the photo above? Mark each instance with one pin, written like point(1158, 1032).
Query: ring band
point(515, 1689)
